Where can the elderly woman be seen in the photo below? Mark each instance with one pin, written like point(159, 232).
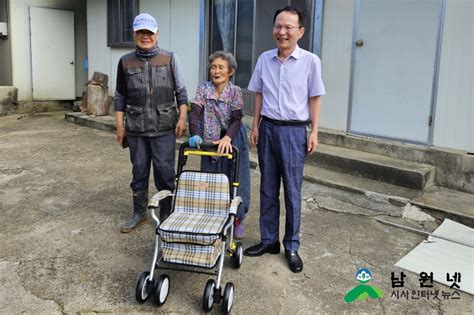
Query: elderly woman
point(215, 116)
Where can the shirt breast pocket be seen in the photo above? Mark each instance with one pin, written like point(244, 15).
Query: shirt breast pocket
point(134, 78)
point(161, 76)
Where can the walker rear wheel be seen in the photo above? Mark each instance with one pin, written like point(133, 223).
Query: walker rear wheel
point(161, 289)
point(144, 287)
point(208, 297)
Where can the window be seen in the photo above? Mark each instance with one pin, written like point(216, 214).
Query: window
point(232, 31)
point(120, 14)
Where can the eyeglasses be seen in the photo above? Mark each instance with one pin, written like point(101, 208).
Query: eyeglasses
point(287, 28)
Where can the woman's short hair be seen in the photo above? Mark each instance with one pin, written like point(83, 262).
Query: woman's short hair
point(227, 56)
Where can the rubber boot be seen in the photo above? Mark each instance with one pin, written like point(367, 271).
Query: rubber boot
point(140, 203)
point(165, 208)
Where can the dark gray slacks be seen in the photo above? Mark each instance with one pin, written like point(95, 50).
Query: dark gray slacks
point(281, 154)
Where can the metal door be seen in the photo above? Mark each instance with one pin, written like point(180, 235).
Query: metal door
point(394, 66)
point(52, 54)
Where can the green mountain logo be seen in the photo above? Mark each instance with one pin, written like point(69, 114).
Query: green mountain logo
point(363, 291)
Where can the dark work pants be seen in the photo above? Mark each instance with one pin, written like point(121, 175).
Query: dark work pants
point(159, 150)
point(281, 154)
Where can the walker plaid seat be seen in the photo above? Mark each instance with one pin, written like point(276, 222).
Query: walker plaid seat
point(191, 254)
point(191, 234)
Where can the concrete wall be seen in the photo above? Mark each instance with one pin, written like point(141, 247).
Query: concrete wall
point(5, 56)
point(336, 62)
point(454, 116)
point(178, 21)
point(20, 41)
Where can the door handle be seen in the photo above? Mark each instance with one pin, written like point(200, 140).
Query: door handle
point(359, 43)
point(71, 63)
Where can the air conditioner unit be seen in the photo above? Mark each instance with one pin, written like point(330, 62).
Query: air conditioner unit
point(3, 29)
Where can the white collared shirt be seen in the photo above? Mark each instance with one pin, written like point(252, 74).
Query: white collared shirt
point(286, 86)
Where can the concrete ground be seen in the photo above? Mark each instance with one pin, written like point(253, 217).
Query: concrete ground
point(64, 193)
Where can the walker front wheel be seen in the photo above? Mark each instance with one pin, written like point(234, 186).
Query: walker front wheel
point(228, 298)
point(144, 287)
point(208, 297)
point(162, 288)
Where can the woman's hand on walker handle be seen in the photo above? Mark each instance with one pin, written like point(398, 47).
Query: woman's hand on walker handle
point(224, 145)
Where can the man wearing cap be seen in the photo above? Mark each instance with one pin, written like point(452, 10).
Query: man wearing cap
point(150, 112)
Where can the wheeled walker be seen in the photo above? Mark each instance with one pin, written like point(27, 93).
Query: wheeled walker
point(198, 234)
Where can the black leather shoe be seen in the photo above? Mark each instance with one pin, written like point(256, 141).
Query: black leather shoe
point(294, 260)
point(260, 249)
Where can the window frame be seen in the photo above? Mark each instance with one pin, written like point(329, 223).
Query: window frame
point(115, 23)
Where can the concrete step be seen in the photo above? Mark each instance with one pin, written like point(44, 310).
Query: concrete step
point(447, 203)
point(106, 122)
point(377, 167)
point(438, 202)
point(358, 184)
point(454, 168)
